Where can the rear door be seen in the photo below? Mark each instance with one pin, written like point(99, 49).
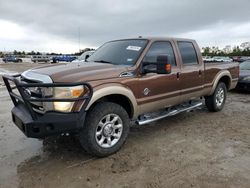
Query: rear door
point(192, 71)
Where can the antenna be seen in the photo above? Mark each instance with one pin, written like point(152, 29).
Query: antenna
point(79, 38)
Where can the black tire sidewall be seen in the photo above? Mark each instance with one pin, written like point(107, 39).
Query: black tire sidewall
point(87, 136)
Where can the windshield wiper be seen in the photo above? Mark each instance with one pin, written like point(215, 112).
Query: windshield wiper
point(103, 61)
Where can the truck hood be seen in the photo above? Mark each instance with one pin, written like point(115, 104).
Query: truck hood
point(77, 72)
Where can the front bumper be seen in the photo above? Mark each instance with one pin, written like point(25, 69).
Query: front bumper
point(36, 125)
point(50, 123)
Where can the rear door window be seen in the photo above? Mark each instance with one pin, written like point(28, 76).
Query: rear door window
point(188, 53)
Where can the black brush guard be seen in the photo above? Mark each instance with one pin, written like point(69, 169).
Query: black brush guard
point(37, 125)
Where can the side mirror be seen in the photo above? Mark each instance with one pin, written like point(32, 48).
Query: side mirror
point(86, 57)
point(160, 67)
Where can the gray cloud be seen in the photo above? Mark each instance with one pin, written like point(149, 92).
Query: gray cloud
point(100, 20)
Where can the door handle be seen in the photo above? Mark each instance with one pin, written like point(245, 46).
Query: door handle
point(178, 75)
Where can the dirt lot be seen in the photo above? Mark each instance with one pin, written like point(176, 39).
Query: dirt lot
point(194, 149)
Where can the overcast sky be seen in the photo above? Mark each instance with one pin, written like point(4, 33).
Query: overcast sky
point(54, 25)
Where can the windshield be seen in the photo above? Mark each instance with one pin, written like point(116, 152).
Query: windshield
point(245, 65)
point(122, 52)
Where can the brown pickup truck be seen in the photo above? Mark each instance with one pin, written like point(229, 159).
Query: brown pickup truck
point(128, 81)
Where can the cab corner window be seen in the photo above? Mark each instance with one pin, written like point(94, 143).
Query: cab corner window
point(160, 48)
point(188, 53)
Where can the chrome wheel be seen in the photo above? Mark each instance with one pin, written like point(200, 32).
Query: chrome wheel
point(109, 131)
point(220, 96)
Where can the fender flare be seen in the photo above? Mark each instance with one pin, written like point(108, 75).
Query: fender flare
point(218, 76)
point(105, 90)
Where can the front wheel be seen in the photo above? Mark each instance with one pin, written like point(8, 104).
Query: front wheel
point(106, 129)
point(216, 101)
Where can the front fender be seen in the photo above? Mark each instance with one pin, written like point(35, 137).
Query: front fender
point(108, 89)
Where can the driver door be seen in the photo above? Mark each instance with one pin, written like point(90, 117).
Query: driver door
point(159, 91)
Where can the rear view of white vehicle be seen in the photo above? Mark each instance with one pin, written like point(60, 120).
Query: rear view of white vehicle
point(40, 58)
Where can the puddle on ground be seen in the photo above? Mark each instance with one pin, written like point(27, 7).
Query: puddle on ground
point(14, 146)
point(4, 71)
point(21, 157)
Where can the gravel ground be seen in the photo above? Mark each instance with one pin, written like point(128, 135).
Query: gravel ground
point(193, 149)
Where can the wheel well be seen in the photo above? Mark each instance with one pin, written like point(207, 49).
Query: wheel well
point(226, 81)
point(118, 99)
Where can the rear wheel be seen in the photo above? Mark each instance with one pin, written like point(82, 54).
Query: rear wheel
point(106, 129)
point(216, 101)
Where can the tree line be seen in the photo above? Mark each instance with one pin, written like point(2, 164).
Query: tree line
point(23, 53)
point(243, 50)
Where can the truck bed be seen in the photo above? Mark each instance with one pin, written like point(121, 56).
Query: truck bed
point(214, 68)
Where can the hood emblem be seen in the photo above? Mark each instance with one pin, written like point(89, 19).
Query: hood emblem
point(146, 91)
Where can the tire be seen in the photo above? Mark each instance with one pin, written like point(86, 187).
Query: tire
point(217, 101)
point(106, 129)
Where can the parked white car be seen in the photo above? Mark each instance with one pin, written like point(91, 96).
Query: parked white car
point(40, 58)
point(222, 59)
point(208, 59)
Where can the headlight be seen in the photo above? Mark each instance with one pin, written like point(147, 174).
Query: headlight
point(66, 93)
point(247, 78)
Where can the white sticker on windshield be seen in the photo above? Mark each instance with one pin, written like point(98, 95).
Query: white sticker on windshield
point(134, 48)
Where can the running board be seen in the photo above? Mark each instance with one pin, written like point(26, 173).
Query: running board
point(168, 113)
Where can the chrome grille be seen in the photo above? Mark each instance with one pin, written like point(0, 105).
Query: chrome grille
point(38, 92)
